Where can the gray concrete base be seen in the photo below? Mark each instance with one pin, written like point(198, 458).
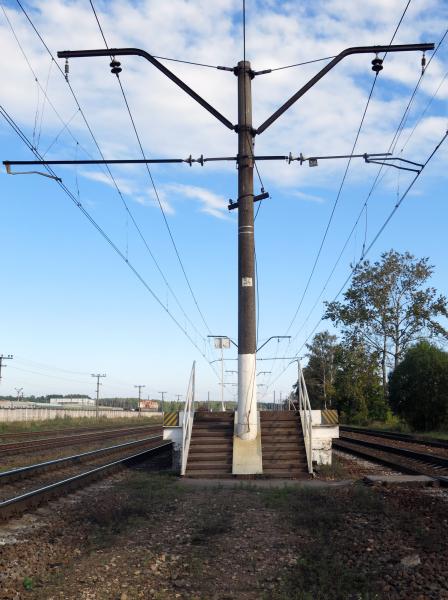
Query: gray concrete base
point(405, 480)
point(247, 455)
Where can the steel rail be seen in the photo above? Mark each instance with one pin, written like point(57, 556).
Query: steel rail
point(439, 461)
point(399, 437)
point(18, 504)
point(21, 472)
point(67, 431)
point(69, 440)
point(349, 445)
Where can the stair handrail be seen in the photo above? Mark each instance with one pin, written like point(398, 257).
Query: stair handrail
point(187, 419)
point(305, 417)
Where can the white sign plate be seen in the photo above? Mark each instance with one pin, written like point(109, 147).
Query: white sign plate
point(246, 282)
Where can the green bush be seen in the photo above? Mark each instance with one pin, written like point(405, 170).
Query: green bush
point(418, 387)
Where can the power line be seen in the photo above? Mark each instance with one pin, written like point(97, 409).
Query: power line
point(376, 181)
point(344, 177)
point(300, 64)
point(152, 179)
point(100, 230)
point(120, 194)
point(375, 238)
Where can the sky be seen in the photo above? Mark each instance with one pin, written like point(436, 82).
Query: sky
point(71, 305)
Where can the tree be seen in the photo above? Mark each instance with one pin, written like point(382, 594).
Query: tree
point(387, 307)
point(319, 373)
point(418, 387)
point(357, 384)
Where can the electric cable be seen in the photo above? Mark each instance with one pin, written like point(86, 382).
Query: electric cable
point(300, 64)
point(376, 236)
point(100, 230)
point(343, 178)
point(127, 209)
point(152, 180)
point(376, 181)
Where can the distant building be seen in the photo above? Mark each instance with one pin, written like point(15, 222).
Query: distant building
point(149, 405)
point(82, 401)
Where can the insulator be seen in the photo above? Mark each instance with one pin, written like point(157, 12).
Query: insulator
point(377, 64)
point(115, 67)
point(66, 68)
point(423, 62)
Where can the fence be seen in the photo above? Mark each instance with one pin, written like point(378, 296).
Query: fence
point(7, 415)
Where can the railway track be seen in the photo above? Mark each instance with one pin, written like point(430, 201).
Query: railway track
point(23, 502)
point(29, 435)
point(51, 465)
point(404, 437)
point(396, 457)
point(74, 439)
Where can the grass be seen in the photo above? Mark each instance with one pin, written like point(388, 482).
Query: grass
point(334, 471)
point(68, 422)
point(318, 517)
point(131, 505)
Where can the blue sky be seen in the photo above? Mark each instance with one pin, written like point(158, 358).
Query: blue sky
point(70, 306)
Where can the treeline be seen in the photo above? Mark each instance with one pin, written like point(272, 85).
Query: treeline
point(389, 357)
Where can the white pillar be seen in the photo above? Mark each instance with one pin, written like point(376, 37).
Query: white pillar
point(247, 421)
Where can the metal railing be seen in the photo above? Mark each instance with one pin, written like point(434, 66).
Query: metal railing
point(306, 417)
point(187, 420)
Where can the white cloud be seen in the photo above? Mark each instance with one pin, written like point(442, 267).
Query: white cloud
point(309, 197)
point(210, 203)
point(171, 124)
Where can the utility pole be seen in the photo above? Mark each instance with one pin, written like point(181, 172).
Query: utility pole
point(247, 407)
point(247, 334)
point(139, 397)
point(98, 376)
point(163, 400)
point(18, 390)
point(2, 358)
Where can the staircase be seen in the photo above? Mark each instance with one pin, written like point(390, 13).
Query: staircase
point(282, 444)
point(211, 445)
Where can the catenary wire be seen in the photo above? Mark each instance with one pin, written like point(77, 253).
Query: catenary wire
point(100, 230)
point(377, 180)
point(343, 179)
point(109, 172)
point(340, 190)
point(300, 64)
point(153, 182)
point(375, 238)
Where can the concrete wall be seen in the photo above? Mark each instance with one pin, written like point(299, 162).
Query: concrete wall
point(41, 414)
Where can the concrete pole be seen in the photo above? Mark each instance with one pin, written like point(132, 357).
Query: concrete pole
point(247, 397)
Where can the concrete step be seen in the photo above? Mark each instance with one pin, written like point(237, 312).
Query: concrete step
point(196, 456)
point(289, 464)
point(280, 433)
point(212, 427)
point(214, 435)
point(210, 466)
point(226, 417)
point(278, 416)
point(282, 455)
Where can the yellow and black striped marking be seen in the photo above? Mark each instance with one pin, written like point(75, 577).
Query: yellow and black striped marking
point(330, 417)
point(171, 419)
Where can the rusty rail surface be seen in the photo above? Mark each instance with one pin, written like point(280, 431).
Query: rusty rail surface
point(71, 440)
point(30, 500)
point(24, 472)
point(414, 463)
point(27, 435)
